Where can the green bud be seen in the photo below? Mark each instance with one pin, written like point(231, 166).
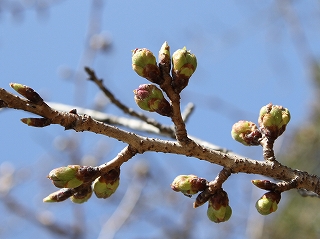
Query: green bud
point(150, 98)
point(218, 207)
point(58, 196)
point(145, 65)
point(246, 132)
point(83, 195)
point(27, 92)
point(36, 122)
point(184, 65)
point(273, 120)
point(223, 214)
point(268, 203)
point(105, 185)
point(66, 177)
point(189, 184)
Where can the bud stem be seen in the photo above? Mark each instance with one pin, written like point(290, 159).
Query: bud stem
point(267, 146)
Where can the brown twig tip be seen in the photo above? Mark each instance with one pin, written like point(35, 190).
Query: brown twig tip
point(27, 92)
point(89, 71)
point(36, 122)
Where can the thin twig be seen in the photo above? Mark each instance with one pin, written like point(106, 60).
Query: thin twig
point(124, 108)
point(188, 110)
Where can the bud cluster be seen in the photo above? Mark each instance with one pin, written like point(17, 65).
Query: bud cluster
point(76, 183)
point(144, 63)
point(273, 120)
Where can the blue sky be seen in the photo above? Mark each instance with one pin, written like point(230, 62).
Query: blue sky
point(246, 59)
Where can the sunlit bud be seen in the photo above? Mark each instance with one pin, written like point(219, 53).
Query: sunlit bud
point(58, 196)
point(268, 203)
point(145, 65)
point(164, 57)
point(246, 132)
point(184, 65)
point(273, 120)
point(105, 185)
point(150, 98)
point(66, 177)
point(264, 184)
point(189, 184)
point(82, 195)
point(218, 207)
point(223, 214)
point(36, 122)
point(27, 92)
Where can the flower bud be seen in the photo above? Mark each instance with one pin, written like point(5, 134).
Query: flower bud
point(105, 185)
point(218, 207)
point(36, 122)
point(66, 177)
point(246, 132)
point(223, 214)
point(273, 120)
point(184, 65)
point(268, 203)
point(189, 184)
point(164, 57)
point(145, 65)
point(27, 92)
point(82, 195)
point(148, 97)
point(58, 196)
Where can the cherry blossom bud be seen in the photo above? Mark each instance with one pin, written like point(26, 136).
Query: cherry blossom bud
point(218, 207)
point(150, 98)
point(145, 65)
point(246, 132)
point(66, 177)
point(273, 120)
point(105, 185)
point(268, 203)
point(189, 184)
point(184, 65)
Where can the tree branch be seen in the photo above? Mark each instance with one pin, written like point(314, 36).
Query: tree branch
point(140, 144)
